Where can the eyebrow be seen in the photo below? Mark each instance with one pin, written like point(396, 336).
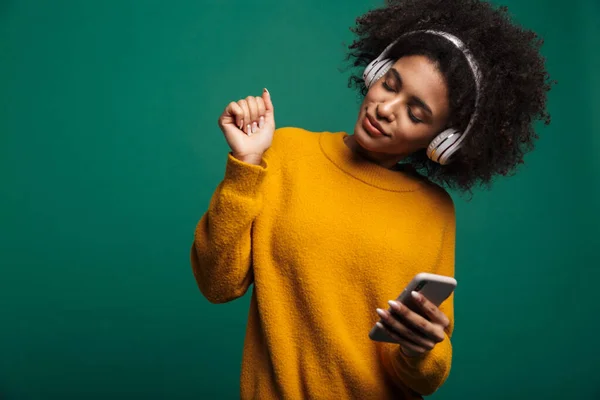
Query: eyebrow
point(415, 99)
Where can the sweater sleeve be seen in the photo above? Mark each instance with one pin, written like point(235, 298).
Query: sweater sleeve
point(425, 374)
point(221, 251)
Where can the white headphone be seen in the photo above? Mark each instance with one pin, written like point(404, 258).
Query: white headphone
point(445, 144)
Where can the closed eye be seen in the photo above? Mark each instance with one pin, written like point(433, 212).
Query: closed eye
point(394, 75)
point(412, 116)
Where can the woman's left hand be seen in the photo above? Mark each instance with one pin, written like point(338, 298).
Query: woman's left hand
point(416, 332)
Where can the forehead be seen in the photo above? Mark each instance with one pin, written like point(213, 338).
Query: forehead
point(421, 78)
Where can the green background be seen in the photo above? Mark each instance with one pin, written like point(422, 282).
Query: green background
point(110, 151)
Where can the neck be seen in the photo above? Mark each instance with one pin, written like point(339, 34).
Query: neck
point(389, 161)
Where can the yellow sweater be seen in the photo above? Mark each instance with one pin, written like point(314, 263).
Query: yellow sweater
point(326, 237)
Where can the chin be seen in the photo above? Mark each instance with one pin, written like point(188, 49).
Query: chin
point(364, 140)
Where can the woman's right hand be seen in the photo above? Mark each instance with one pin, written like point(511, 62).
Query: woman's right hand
point(248, 126)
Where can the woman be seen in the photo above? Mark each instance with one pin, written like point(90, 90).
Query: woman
point(330, 226)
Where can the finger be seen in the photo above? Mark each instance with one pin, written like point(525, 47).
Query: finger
point(392, 334)
point(430, 310)
point(403, 331)
point(251, 100)
point(416, 321)
point(261, 111)
point(412, 347)
point(268, 103)
point(236, 112)
point(244, 105)
point(260, 102)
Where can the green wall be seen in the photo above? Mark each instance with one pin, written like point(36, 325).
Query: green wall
point(109, 153)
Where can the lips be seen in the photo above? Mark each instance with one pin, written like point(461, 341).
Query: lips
point(372, 126)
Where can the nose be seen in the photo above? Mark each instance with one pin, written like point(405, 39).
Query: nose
point(387, 109)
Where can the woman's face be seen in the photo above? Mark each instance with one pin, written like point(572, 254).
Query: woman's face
point(403, 111)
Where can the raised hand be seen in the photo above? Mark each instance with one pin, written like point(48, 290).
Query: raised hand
point(248, 126)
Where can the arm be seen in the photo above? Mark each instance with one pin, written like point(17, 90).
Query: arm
point(221, 252)
point(221, 255)
point(425, 373)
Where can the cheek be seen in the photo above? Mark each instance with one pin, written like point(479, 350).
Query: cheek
point(413, 136)
point(373, 97)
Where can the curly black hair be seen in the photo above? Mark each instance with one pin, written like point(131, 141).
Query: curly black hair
point(514, 80)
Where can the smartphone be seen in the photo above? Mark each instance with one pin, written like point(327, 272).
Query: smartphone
point(436, 288)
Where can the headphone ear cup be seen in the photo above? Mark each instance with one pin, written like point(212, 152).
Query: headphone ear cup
point(375, 70)
point(367, 72)
point(438, 151)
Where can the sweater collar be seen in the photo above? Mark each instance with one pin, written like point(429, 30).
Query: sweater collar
point(334, 148)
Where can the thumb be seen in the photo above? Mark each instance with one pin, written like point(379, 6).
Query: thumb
point(268, 103)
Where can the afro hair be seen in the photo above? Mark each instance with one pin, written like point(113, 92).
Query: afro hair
point(514, 81)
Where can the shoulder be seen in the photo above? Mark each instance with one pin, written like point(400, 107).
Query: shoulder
point(439, 199)
point(284, 135)
point(292, 140)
